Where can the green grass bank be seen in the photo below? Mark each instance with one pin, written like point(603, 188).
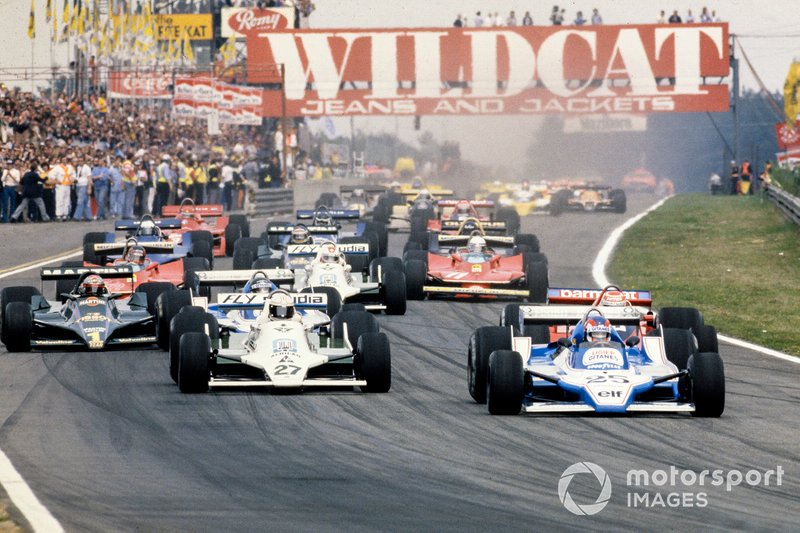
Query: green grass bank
point(737, 259)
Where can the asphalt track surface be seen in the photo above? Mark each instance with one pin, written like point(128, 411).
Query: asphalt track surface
point(107, 442)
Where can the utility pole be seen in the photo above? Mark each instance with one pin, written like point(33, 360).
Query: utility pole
point(284, 129)
point(735, 104)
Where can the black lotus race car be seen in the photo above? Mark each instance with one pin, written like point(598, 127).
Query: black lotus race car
point(88, 320)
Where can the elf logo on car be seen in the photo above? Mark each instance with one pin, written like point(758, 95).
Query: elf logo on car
point(595, 356)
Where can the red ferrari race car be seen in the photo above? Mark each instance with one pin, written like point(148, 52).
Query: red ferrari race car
point(463, 217)
point(178, 272)
point(223, 230)
point(482, 267)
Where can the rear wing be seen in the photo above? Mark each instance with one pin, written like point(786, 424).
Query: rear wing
point(312, 249)
point(316, 230)
point(240, 300)
point(336, 214)
point(221, 278)
point(572, 314)
point(494, 226)
point(589, 296)
point(368, 189)
point(434, 192)
point(208, 210)
point(158, 247)
point(76, 272)
point(131, 225)
point(492, 241)
point(474, 203)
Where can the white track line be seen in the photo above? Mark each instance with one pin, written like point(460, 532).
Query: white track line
point(37, 264)
point(599, 275)
point(18, 490)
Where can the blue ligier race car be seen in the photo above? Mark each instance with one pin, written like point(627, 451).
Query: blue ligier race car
point(613, 357)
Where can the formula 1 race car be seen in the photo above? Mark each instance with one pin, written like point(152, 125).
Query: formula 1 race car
point(616, 358)
point(383, 287)
point(452, 213)
point(148, 230)
point(90, 316)
point(324, 226)
point(525, 198)
point(149, 261)
point(588, 197)
point(220, 231)
point(402, 207)
point(284, 350)
point(477, 267)
point(361, 198)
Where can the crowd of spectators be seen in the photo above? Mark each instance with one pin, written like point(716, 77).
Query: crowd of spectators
point(62, 159)
point(558, 17)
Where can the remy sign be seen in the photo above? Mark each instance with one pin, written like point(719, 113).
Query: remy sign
point(507, 70)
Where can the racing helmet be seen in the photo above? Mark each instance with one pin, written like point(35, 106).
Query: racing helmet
point(323, 218)
point(476, 244)
point(416, 183)
point(136, 254)
point(598, 329)
point(329, 254)
point(280, 306)
point(462, 208)
point(614, 298)
point(148, 228)
point(260, 284)
point(92, 285)
point(424, 194)
point(300, 235)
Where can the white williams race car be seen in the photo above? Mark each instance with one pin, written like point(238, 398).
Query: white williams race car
point(284, 350)
point(383, 289)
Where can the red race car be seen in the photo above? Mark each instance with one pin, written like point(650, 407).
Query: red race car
point(483, 267)
point(135, 255)
point(223, 230)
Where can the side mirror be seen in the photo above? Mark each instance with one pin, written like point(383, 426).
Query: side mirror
point(564, 342)
point(632, 341)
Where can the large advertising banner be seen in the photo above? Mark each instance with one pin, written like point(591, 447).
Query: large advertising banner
point(505, 70)
point(140, 85)
point(240, 22)
point(172, 27)
point(199, 96)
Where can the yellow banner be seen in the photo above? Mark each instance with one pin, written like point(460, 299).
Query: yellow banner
point(174, 27)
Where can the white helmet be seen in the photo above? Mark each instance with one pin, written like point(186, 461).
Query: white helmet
point(476, 244)
point(280, 306)
point(329, 253)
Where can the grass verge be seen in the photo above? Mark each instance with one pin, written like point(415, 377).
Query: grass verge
point(735, 258)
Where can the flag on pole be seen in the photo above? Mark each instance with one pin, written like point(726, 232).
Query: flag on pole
point(49, 10)
point(65, 12)
point(32, 23)
point(187, 50)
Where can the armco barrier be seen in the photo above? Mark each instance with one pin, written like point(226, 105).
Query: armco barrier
point(267, 202)
point(790, 205)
